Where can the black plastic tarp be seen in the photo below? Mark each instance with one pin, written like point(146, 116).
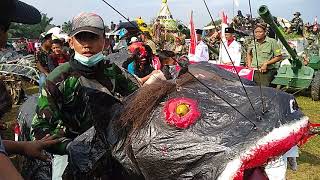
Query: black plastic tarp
point(128, 25)
point(161, 151)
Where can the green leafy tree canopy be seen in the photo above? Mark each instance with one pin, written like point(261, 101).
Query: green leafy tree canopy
point(18, 30)
point(66, 27)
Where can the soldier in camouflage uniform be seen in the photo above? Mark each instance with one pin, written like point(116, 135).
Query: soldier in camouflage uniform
point(66, 107)
point(313, 41)
point(248, 22)
point(239, 21)
point(296, 24)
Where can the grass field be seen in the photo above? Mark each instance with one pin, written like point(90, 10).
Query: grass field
point(309, 160)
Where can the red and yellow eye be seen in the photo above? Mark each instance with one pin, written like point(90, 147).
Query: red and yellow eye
point(181, 112)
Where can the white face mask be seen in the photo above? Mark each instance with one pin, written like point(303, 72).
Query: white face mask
point(89, 61)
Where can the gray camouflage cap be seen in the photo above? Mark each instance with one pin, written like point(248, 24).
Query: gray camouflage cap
point(87, 22)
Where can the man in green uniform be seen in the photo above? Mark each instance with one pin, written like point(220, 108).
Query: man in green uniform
point(263, 55)
point(66, 106)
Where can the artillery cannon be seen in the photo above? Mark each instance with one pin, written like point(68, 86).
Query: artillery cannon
point(295, 76)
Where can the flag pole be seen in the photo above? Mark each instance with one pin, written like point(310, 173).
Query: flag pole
point(232, 8)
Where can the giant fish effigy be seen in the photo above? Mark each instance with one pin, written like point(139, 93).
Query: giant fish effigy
point(190, 129)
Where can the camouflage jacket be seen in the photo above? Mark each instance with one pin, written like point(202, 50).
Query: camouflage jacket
point(63, 109)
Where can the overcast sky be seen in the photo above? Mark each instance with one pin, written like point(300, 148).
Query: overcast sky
point(64, 10)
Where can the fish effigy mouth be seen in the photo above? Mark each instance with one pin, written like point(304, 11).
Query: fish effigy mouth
point(272, 145)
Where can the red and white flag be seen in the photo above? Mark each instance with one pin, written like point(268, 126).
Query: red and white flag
point(224, 23)
point(193, 38)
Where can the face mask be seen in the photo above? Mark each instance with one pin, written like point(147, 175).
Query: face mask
point(89, 61)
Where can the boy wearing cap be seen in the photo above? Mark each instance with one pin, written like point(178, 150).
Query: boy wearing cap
point(133, 40)
point(263, 56)
point(59, 102)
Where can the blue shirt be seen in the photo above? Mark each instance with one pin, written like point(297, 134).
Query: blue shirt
point(131, 68)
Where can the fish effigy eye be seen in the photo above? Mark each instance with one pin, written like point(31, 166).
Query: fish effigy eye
point(182, 109)
point(181, 112)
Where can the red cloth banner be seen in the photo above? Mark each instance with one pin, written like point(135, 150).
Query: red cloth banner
point(242, 71)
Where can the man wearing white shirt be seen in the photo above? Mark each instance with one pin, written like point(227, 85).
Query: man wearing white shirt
point(201, 53)
point(232, 47)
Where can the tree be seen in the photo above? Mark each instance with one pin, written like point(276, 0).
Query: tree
point(45, 22)
point(67, 27)
point(18, 30)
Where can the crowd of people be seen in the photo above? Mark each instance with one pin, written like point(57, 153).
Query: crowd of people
point(25, 46)
point(64, 66)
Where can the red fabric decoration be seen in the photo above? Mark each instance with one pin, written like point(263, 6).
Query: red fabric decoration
point(156, 64)
point(59, 59)
point(138, 45)
point(230, 41)
point(261, 154)
point(308, 135)
point(178, 121)
point(193, 37)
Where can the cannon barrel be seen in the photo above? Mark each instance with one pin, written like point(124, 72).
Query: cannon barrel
point(268, 18)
